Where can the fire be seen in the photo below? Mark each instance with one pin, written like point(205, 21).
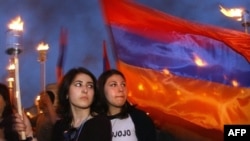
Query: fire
point(10, 79)
point(16, 24)
point(38, 98)
point(235, 13)
point(11, 67)
point(28, 114)
point(42, 46)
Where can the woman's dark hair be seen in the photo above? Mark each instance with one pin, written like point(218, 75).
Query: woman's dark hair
point(7, 122)
point(4, 92)
point(63, 89)
point(103, 100)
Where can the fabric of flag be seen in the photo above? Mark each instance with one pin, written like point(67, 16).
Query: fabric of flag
point(191, 78)
point(106, 64)
point(62, 49)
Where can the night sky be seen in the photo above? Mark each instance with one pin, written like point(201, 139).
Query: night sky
point(86, 32)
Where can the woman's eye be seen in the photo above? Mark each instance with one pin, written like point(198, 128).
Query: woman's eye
point(90, 85)
point(78, 84)
point(123, 84)
point(113, 84)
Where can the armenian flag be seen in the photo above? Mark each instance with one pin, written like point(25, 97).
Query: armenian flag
point(62, 49)
point(106, 64)
point(191, 78)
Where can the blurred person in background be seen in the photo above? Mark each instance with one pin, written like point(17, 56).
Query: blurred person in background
point(44, 121)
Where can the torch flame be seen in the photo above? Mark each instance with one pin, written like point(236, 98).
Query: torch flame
point(16, 24)
point(235, 13)
point(11, 67)
point(42, 46)
point(38, 98)
point(10, 79)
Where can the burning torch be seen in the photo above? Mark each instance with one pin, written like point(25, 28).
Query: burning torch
point(239, 14)
point(14, 38)
point(42, 50)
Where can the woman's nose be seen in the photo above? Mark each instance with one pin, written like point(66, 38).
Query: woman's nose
point(121, 87)
point(84, 89)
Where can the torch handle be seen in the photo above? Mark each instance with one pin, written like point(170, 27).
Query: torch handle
point(18, 95)
point(20, 112)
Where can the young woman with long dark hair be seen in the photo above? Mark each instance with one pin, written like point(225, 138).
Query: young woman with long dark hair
point(128, 122)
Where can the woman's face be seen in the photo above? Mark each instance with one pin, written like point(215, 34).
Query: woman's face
point(115, 91)
point(81, 91)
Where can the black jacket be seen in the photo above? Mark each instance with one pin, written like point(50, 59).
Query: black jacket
point(144, 126)
point(95, 129)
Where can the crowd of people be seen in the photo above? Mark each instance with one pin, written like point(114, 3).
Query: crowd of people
point(88, 109)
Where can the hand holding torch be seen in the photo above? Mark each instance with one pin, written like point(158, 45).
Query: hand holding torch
point(14, 36)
